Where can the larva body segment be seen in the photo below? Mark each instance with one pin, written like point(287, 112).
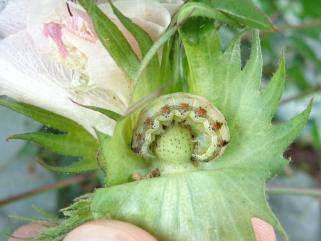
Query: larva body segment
point(207, 125)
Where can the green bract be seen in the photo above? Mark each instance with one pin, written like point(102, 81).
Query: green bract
point(72, 140)
point(171, 196)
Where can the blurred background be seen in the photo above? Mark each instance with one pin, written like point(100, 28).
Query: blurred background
point(28, 191)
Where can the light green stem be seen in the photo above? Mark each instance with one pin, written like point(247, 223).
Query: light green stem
point(295, 191)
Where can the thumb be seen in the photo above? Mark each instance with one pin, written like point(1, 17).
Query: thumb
point(26, 232)
point(263, 231)
point(103, 230)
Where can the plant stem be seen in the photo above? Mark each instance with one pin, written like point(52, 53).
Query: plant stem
point(303, 94)
point(45, 188)
point(295, 191)
point(305, 25)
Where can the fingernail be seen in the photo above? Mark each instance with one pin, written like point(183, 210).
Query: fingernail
point(108, 230)
point(263, 231)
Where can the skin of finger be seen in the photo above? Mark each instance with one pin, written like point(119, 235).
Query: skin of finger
point(108, 230)
point(263, 231)
point(26, 232)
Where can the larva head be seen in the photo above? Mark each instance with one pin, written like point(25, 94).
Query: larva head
point(180, 128)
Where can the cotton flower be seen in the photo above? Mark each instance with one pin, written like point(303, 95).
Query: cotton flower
point(51, 55)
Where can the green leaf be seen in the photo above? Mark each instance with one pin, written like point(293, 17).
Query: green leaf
point(174, 66)
point(153, 51)
point(200, 9)
point(143, 39)
point(78, 213)
point(58, 143)
point(242, 12)
point(255, 143)
point(269, 7)
point(179, 65)
point(112, 39)
point(202, 205)
point(200, 33)
point(74, 141)
point(119, 161)
point(311, 8)
point(150, 80)
point(111, 114)
point(45, 117)
point(237, 13)
point(83, 165)
point(167, 63)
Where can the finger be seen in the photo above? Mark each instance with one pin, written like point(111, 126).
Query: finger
point(263, 231)
point(108, 230)
point(26, 232)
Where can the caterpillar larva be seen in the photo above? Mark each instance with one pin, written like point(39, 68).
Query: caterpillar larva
point(206, 124)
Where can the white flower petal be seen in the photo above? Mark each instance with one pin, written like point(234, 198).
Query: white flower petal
point(43, 11)
point(171, 5)
point(36, 78)
point(31, 78)
point(102, 70)
point(13, 17)
point(99, 67)
point(40, 13)
point(149, 14)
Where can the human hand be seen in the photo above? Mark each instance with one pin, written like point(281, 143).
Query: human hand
point(263, 231)
point(109, 230)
